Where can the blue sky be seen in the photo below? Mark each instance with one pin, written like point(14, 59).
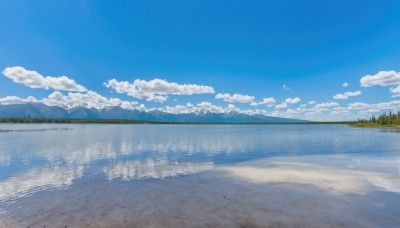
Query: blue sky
point(204, 52)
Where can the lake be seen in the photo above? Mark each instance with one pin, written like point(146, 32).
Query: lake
point(289, 175)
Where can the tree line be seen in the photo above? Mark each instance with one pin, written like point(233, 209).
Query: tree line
point(383, 119)
point(66, 120)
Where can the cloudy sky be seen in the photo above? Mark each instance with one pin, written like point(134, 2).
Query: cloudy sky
point(314, 60)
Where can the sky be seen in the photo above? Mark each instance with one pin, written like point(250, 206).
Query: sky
point(311, 59)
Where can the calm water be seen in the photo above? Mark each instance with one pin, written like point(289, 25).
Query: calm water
point(46, 170)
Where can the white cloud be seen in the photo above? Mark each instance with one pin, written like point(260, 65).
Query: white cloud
point(157, 98)
point(395, 89)
point(281, 106)
point(369, 111)
point(90, 99)
point(358, 105)
point(33, 79)
point(285, 87)
point(345, 84)
point(352, 94)
point(326, 105)
point(156, 89)
point(9, 100)
point(312, 102)
point(294, 100)
point(200, 108)
point(339, 112)
point(392, 105)
point(396, 95)
point(382, 78)
point(340, 96)
point(346, 95)
point(268, 101)
point(235, 97)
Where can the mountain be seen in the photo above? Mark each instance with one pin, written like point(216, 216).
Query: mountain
point(39, 110)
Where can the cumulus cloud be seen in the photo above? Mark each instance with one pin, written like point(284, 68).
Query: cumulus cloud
point(33, 79)
point(346, 95)
point(204, 107)
point(9, 100)
point(326, 105)
point(72, 100)
point(241, 98)
point(312, 102)
point(392, 105)
point(352, 94)
point(340, 96)
point(201, 107)
point(345, 84)
point(281, 106)
point(90, 99)
point(294, 100)
point(268, 101)
point(382, 78)
point(156, 90)
point(395, 89)
point(322, 112)
point(339, 112)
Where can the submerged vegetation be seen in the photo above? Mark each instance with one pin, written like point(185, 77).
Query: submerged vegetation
point(384, 120)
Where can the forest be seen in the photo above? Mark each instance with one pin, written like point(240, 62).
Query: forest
point(384, 120)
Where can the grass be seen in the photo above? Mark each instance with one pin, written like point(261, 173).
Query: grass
point(372, 125)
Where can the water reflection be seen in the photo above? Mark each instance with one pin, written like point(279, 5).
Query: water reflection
point(31, 160)
point(391, 130)
point(38, 179)
point(356, 174)
point(153, 168)
point(89, 143)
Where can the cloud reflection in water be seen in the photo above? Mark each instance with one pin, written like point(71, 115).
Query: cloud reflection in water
point(153, 168)
point(38, 179)
point(325, 172)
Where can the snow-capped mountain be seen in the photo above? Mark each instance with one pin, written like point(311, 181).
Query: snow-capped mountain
point(39, 110)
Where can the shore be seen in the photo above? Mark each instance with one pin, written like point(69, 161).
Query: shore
point(371, 125)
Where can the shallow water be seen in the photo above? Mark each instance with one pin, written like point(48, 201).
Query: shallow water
point(95, 175)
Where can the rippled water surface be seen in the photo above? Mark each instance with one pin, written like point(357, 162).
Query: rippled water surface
point(198, 175)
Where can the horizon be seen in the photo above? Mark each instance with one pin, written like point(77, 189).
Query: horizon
point(184, 56)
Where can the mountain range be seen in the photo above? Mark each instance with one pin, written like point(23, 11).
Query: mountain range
point(39, 110)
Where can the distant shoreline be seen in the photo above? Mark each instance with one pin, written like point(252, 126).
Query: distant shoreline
point(371, 125)
point(124, 121)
